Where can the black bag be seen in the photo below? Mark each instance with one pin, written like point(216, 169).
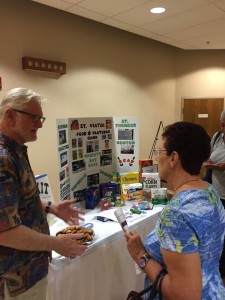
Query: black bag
point(138, 295)
point(208, 173)
point(207, 176)
point(152, 288)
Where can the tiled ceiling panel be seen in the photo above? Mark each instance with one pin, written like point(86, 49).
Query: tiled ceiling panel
point(186, 24)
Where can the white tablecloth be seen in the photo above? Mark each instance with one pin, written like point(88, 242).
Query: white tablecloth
point(105, 271)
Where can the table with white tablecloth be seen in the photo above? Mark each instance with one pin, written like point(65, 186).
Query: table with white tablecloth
point(105, 271)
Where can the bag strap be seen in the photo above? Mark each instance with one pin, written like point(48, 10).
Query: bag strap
point(154, 288)
point(144, 291)
point(216, 138)
point(157, 285)
point(133, 295)
point(160, 284)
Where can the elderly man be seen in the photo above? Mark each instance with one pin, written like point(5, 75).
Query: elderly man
point(25, 243)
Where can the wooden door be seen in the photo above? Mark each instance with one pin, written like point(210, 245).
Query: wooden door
point(204, 111)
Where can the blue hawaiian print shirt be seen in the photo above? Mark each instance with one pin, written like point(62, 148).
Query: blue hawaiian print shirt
point(193, 221)
point(19, 204)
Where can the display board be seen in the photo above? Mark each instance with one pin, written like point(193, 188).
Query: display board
point(126, 133)
point(44, 187)
point(90, 149)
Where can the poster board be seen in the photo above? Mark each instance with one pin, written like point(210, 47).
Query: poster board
point(44, 187)
point(90, 149)
point(126, 133)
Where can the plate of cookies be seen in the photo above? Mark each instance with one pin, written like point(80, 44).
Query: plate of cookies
point(88, 237)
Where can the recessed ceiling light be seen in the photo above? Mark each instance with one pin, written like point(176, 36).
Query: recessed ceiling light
point(157, 10)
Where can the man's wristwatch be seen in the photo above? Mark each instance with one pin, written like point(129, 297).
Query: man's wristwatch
point(143, 260)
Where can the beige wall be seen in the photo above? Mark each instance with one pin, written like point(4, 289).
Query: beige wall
point(200, 74)
point(109, 73)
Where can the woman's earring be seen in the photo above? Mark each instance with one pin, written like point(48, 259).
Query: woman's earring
point(171, 165)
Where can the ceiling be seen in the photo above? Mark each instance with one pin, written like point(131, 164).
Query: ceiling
point(186, 24)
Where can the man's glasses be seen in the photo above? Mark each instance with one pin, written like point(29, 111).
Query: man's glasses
point(34, 118)
point(158, 152)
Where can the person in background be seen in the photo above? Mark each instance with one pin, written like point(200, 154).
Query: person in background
point(25, 241)
point(188, 238)
point(216, 162)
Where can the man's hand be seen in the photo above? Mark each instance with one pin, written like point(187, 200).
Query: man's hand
point(67, 245)
point(66, 212)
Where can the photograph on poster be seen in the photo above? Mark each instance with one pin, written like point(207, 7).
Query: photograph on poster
point(78, 166)
point(63, 159)
point(74, 154)
point(105, 160)
point(126, 134)
point(93, 179)
point(62, 137)
point(74, 125)
point(127, 149)
point(104, 137)
point(106, 144)
point(79, 195)
point(65, 192)
point(74, 143)
point(108, 151)
point(65, 189)
point(62, 175)
point(108, 124)
point(80, 153)
point(92, 146)
point(67, 171)
point(80, 143)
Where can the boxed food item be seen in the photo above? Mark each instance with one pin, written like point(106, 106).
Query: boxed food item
point(149, 181)
point(145, 166)
point(131, 191)
point(142, 205)
point(159, 196)
point(128, 178)
point(108, 194)
point(91, 197)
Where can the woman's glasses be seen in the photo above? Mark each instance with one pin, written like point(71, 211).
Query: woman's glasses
point(34, 118)
point(158, 152)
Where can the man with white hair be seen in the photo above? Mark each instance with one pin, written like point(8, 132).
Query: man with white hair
point(25, 243)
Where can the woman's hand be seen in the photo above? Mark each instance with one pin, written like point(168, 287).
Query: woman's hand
point(135, 245)
point(66, 212)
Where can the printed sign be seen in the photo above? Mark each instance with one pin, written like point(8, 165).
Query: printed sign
point(44, 187)
point(90, 149)
point(126, 131)
point(85, 148)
